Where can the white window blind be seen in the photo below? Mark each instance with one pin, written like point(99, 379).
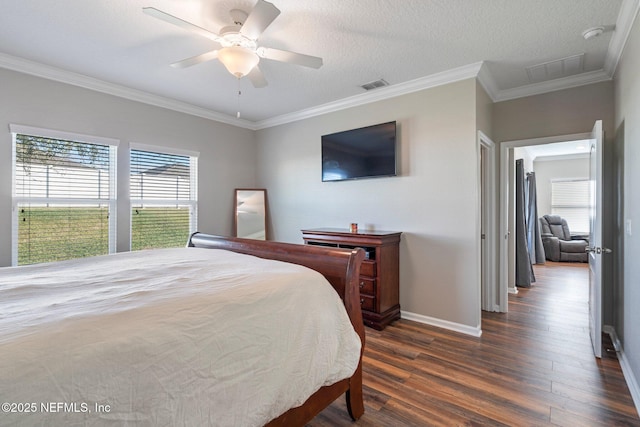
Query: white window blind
point(63, 197)
point(163, 191)
point(570, 200)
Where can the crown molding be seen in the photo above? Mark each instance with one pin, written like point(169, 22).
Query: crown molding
point(52, 73)
point(387, 92)
point(63, 76)
point(624, 23)
point(487, 81)
point(477, 70)
point(552, 85)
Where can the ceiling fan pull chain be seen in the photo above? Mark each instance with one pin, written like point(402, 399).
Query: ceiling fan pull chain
point(239, 93)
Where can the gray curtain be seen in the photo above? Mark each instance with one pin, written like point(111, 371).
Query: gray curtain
point(524, 269)
point(534, 239)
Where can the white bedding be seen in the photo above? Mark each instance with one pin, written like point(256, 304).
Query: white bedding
point(167, 337)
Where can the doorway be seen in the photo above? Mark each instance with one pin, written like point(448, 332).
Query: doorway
point(594, 248)
point(507, 197)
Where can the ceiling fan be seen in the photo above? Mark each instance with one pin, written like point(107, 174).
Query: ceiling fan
point(240, 52)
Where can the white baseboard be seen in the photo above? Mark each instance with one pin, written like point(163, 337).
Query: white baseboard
point(629, 376)
point(445, 324)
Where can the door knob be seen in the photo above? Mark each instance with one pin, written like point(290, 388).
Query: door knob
point(598, 250)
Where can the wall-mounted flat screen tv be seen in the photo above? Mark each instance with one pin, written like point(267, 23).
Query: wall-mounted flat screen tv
point(360, 153)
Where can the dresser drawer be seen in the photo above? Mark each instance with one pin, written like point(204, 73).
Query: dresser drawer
point(367, 286)
point(367, 302)
point(368, 268)
point(379, 273)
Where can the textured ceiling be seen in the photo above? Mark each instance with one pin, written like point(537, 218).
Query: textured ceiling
point(360, 41)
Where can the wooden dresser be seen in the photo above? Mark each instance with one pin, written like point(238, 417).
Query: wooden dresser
point(379, 274)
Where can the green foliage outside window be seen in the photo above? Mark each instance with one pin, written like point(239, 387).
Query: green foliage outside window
point(48, 234)
point(58, 233)
point(159, 227)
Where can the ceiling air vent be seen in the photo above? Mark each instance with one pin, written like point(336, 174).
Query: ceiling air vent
point(562, 67)
point(374, 85)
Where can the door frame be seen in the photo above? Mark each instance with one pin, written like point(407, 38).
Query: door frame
point(487, 200)
point(506, 191)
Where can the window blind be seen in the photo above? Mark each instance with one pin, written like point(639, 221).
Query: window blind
point(63, 199)
point(570, 200)
point(163, 199)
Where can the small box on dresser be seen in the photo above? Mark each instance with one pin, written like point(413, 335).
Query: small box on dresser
point(380, 271)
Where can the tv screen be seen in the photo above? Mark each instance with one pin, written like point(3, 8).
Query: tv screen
point(360, 153)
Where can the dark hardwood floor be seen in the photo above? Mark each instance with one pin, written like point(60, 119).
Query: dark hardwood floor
point(532, 366)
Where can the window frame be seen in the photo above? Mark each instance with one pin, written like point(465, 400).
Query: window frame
point(113, 145)
point(192, 202)
point(586, 207)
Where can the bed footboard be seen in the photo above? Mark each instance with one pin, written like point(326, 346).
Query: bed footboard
point(341, 267)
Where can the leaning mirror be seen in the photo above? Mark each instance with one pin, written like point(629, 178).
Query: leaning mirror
point(251, 213)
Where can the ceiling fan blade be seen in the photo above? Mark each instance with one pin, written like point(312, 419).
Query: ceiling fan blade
point(259, 19)
point(207, 56)
point(163, 16)
point(257, 78)
point(290, 57)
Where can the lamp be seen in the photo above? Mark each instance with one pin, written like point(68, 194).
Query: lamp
point(238, 60)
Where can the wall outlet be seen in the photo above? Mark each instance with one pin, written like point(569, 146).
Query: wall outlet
point(627, 227)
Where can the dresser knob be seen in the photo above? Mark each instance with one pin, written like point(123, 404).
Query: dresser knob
point(361, 285)
point(361, 301)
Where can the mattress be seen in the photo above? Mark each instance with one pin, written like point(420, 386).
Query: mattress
point(173, 337)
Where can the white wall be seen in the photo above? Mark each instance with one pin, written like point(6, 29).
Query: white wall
point(434, 201)
point(484, 111)
point(548, 170)
point(227, 153)
point(627, 124)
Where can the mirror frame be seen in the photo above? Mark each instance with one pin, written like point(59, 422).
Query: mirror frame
point(236, 211)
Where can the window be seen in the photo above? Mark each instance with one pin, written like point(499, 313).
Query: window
point(570, 200)
point(63, 195)
point(163, 191)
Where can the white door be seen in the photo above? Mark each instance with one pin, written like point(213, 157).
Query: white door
point(595, 239)
point(488, 281)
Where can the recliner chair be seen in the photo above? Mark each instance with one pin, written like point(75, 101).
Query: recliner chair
point(558, 243)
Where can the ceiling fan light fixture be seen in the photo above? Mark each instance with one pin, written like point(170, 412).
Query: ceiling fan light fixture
point(239, 50)
point(238, 60)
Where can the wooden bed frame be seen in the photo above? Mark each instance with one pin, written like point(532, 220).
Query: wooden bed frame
point(341, 267)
